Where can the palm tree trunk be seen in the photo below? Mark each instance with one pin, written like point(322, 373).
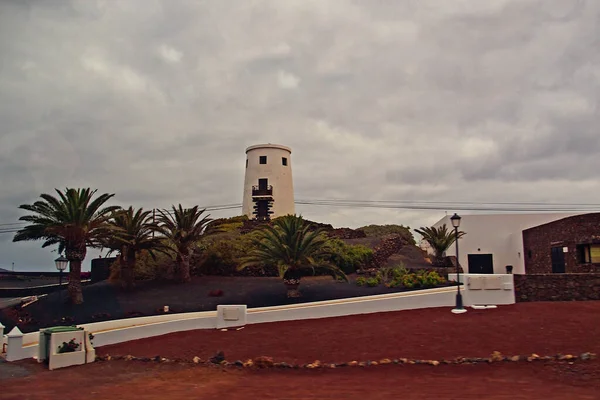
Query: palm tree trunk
point(74, 288)
point(184, 269)
point(127, 270)
point(75, 257)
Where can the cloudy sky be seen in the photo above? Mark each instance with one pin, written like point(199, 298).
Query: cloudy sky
point(437, 100)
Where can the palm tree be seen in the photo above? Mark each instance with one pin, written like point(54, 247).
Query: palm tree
point(183, 228)
point(293, 246)
point(72, 221)
point(440, 239)
point(135, 233)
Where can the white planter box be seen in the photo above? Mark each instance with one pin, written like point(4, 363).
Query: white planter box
point(84, 353)
point(66, 359)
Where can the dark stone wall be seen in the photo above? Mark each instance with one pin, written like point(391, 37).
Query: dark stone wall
point(390, 244)
point(557, 287)
point(100, 270)
point(567, 232)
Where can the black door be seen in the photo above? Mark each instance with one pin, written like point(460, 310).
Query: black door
point(480, 263)
point(263, 183)
point(558, 260)
point(262, 209)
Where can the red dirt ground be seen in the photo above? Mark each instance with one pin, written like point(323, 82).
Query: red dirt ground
point(138, 381)
point(543, 328)
point(525, 328)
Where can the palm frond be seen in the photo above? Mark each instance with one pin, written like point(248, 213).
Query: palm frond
point(72, 219)
point(291, 244)
point(440, 239)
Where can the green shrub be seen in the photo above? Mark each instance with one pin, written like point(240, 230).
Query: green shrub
point(230, 227)
point(147, 268)
point(401, 277)
point(409, 281)
point(361, 281)
point(383, 230)
point(372, 282)
point(347, 257)
point(221, 253)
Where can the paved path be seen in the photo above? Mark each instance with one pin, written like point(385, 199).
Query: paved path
point(11, 370)
point(31, 282)
point(4, 302)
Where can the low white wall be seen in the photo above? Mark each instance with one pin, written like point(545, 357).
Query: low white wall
point(231, 316)
point(32, 338)
point(486, 289)
point(112, 332)
point(360, 305)
point(14, 346)
point(126, 334)
point(2, 338)
point(21, 351)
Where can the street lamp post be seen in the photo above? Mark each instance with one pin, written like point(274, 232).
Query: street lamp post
point(61, 264)
point(458, 308)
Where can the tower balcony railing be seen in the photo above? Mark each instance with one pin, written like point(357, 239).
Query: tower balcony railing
point(262, 191)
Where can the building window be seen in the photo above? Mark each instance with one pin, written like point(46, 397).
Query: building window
point(246, 163)
point(588, 253)
point(263, 160)
point(283, 161)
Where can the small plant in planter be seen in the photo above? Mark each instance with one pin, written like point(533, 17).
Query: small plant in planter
point(68, 347)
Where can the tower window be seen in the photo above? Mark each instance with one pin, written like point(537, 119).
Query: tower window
point(283, 161)
point(246, 163)
point(263, 159)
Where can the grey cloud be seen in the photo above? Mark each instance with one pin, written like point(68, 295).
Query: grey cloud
point(415, 175)
point(157, 101)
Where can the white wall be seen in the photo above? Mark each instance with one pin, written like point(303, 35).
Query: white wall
point(279, 176)
point(486, 289)
point(111, 332)
point(104, 338)
point(498, 234)
point(428, 298)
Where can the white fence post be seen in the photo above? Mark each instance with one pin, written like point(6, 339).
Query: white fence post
point(14, 344)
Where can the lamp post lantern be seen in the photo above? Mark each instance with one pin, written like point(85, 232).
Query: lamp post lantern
point(61, 264)
point(458, 308)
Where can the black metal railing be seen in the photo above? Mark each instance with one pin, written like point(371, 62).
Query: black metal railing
point(262, 191)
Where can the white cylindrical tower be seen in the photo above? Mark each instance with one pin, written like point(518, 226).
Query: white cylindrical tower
point(268, 186)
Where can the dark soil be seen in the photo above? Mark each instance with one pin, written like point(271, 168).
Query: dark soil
point(104, 301)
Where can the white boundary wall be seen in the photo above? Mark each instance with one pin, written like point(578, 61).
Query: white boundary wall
point(227, 316)
point(486, 289)
point(428, 298)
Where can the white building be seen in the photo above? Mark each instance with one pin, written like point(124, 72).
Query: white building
point(493, 241)
point(268, 184)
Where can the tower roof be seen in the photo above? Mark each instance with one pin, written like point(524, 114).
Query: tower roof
point(269, 146)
